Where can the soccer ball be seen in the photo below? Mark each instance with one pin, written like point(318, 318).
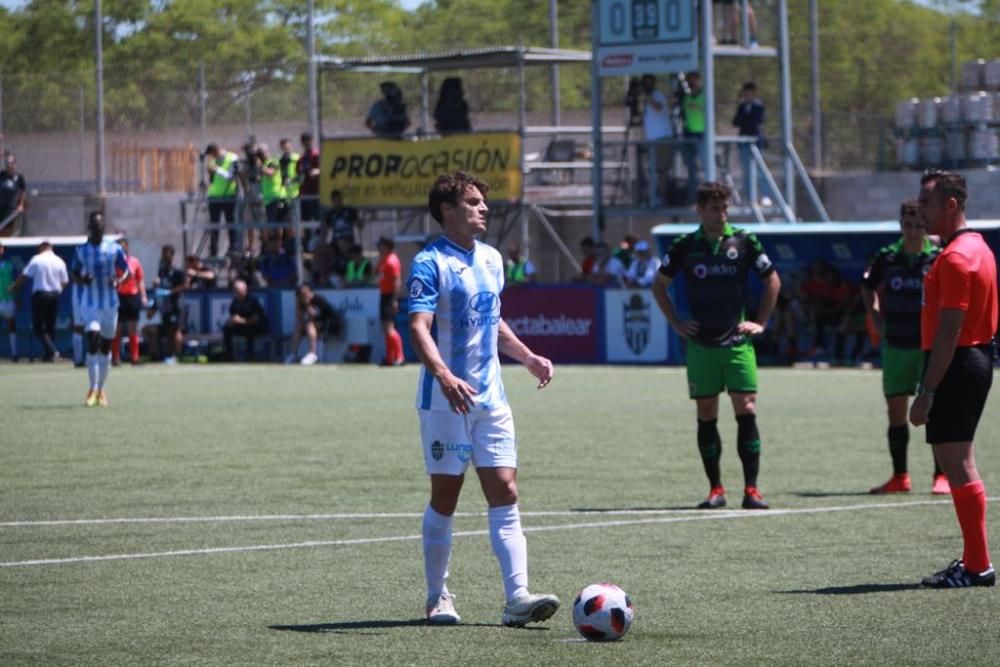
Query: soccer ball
point(602, 613)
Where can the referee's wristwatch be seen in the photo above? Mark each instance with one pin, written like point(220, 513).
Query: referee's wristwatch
point(924, 391)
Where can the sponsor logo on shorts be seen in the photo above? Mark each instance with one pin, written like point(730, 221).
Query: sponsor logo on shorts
point(463, 452)
point(437, 450)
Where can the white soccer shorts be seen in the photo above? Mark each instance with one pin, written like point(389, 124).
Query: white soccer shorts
point(483, 437)
point(104, 320)
point(7, 310)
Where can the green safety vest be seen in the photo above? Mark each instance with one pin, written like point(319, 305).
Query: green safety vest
point(291, 176)
point(694, 112)
point(356, 270)
point(516, 271)
point(270, 186)
point(222, 187)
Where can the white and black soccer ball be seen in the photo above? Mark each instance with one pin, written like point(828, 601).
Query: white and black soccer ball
point(602, 613)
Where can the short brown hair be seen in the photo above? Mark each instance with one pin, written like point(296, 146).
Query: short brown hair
point(909, 207)
point(948, 184)
point(449, 188)
point(711, 191)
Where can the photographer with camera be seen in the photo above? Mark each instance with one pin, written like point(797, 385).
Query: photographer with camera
point(221, 167)
point(658, 132)
point(251, 175)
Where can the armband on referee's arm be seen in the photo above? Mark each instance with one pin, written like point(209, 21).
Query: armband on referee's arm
point(924, 391)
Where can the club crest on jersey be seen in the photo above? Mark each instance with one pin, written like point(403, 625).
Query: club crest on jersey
point(437, 450)
point(732, 252)
point(637, 323)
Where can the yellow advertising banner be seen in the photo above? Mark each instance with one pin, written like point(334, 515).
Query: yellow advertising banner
point(392, 172)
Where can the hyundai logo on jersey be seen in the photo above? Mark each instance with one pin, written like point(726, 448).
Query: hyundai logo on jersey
point(485, 302)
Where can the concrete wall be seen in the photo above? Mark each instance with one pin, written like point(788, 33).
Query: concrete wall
point(155, 218)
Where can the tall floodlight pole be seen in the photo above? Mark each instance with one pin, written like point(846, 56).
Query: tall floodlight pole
point(554, 40)
point(202, 106)
point(786, 102)
point(99, 57)
point(817, 118)
point(708, 91)
point(311, 70)
point(596, 137)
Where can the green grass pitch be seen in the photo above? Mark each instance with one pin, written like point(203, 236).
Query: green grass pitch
point(608, 470)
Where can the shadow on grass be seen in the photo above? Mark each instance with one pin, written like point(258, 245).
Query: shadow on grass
point(829, 494)
point(603, 510)
point(378, 624)
point(857, 589)
point(50, 407)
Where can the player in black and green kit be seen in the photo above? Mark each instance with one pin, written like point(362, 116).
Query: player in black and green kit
point(892, 288)
point(716, 261)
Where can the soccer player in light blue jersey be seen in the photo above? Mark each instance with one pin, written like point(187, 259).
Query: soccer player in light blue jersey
point(94, 271)
point(457, 331)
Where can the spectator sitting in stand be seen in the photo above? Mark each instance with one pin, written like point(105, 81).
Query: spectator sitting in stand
point(588, 260)
point(625, 249)
point(518, 270)
point(358, 270)
point(388, 118)
point(314, 317)
point(199, 276)
point(643, 268)
point(247, 318)
point(274, 266)
point(452, 111)
point(608, 269)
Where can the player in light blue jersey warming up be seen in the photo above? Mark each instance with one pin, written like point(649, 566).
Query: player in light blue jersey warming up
point(94, 271)
point(457, 331)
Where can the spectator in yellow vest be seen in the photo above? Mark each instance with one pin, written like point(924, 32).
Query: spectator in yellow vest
point(358, 271)
point(221, 167)
point(693, 107)
point(519, 270)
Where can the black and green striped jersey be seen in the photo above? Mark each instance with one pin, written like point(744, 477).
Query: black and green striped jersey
point(899, 279)
point(717, 279)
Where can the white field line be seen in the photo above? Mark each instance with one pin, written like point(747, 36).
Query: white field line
point(348, 516)
point(690, 516)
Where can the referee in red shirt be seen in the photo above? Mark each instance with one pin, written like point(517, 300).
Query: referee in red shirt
point(957, 324)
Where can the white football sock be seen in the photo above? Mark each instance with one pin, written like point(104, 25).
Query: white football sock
point(92, 370)
point(13, 343)
point(436, 530)
point(77, 348)
point(103, 364)
point(510, 547)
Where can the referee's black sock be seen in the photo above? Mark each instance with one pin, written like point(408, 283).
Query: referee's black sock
point(710, 448)
point(899, 440)
point(748, 447)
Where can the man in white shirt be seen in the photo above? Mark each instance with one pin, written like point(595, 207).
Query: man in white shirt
point(658, 129)
point(48, 279)
point(643, 268)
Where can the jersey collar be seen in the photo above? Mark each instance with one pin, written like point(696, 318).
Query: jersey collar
point(954, 236)
point(458, 248)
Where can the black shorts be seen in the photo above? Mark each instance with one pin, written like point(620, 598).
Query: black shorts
point(960, 398)
point(128, 308)
point(387, 307)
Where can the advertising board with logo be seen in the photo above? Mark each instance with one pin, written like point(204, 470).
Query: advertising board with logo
point(359, 308)
point(635, 329)
point(390, 172)
point(561, 323)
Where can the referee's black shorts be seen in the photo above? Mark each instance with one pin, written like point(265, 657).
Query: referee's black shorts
point(129, 306)
point(960, 398)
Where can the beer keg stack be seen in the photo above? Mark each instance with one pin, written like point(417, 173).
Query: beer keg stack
point(956, 131)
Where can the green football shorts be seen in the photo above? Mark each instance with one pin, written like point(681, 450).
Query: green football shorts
point(712, 369)
point(902, 370)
